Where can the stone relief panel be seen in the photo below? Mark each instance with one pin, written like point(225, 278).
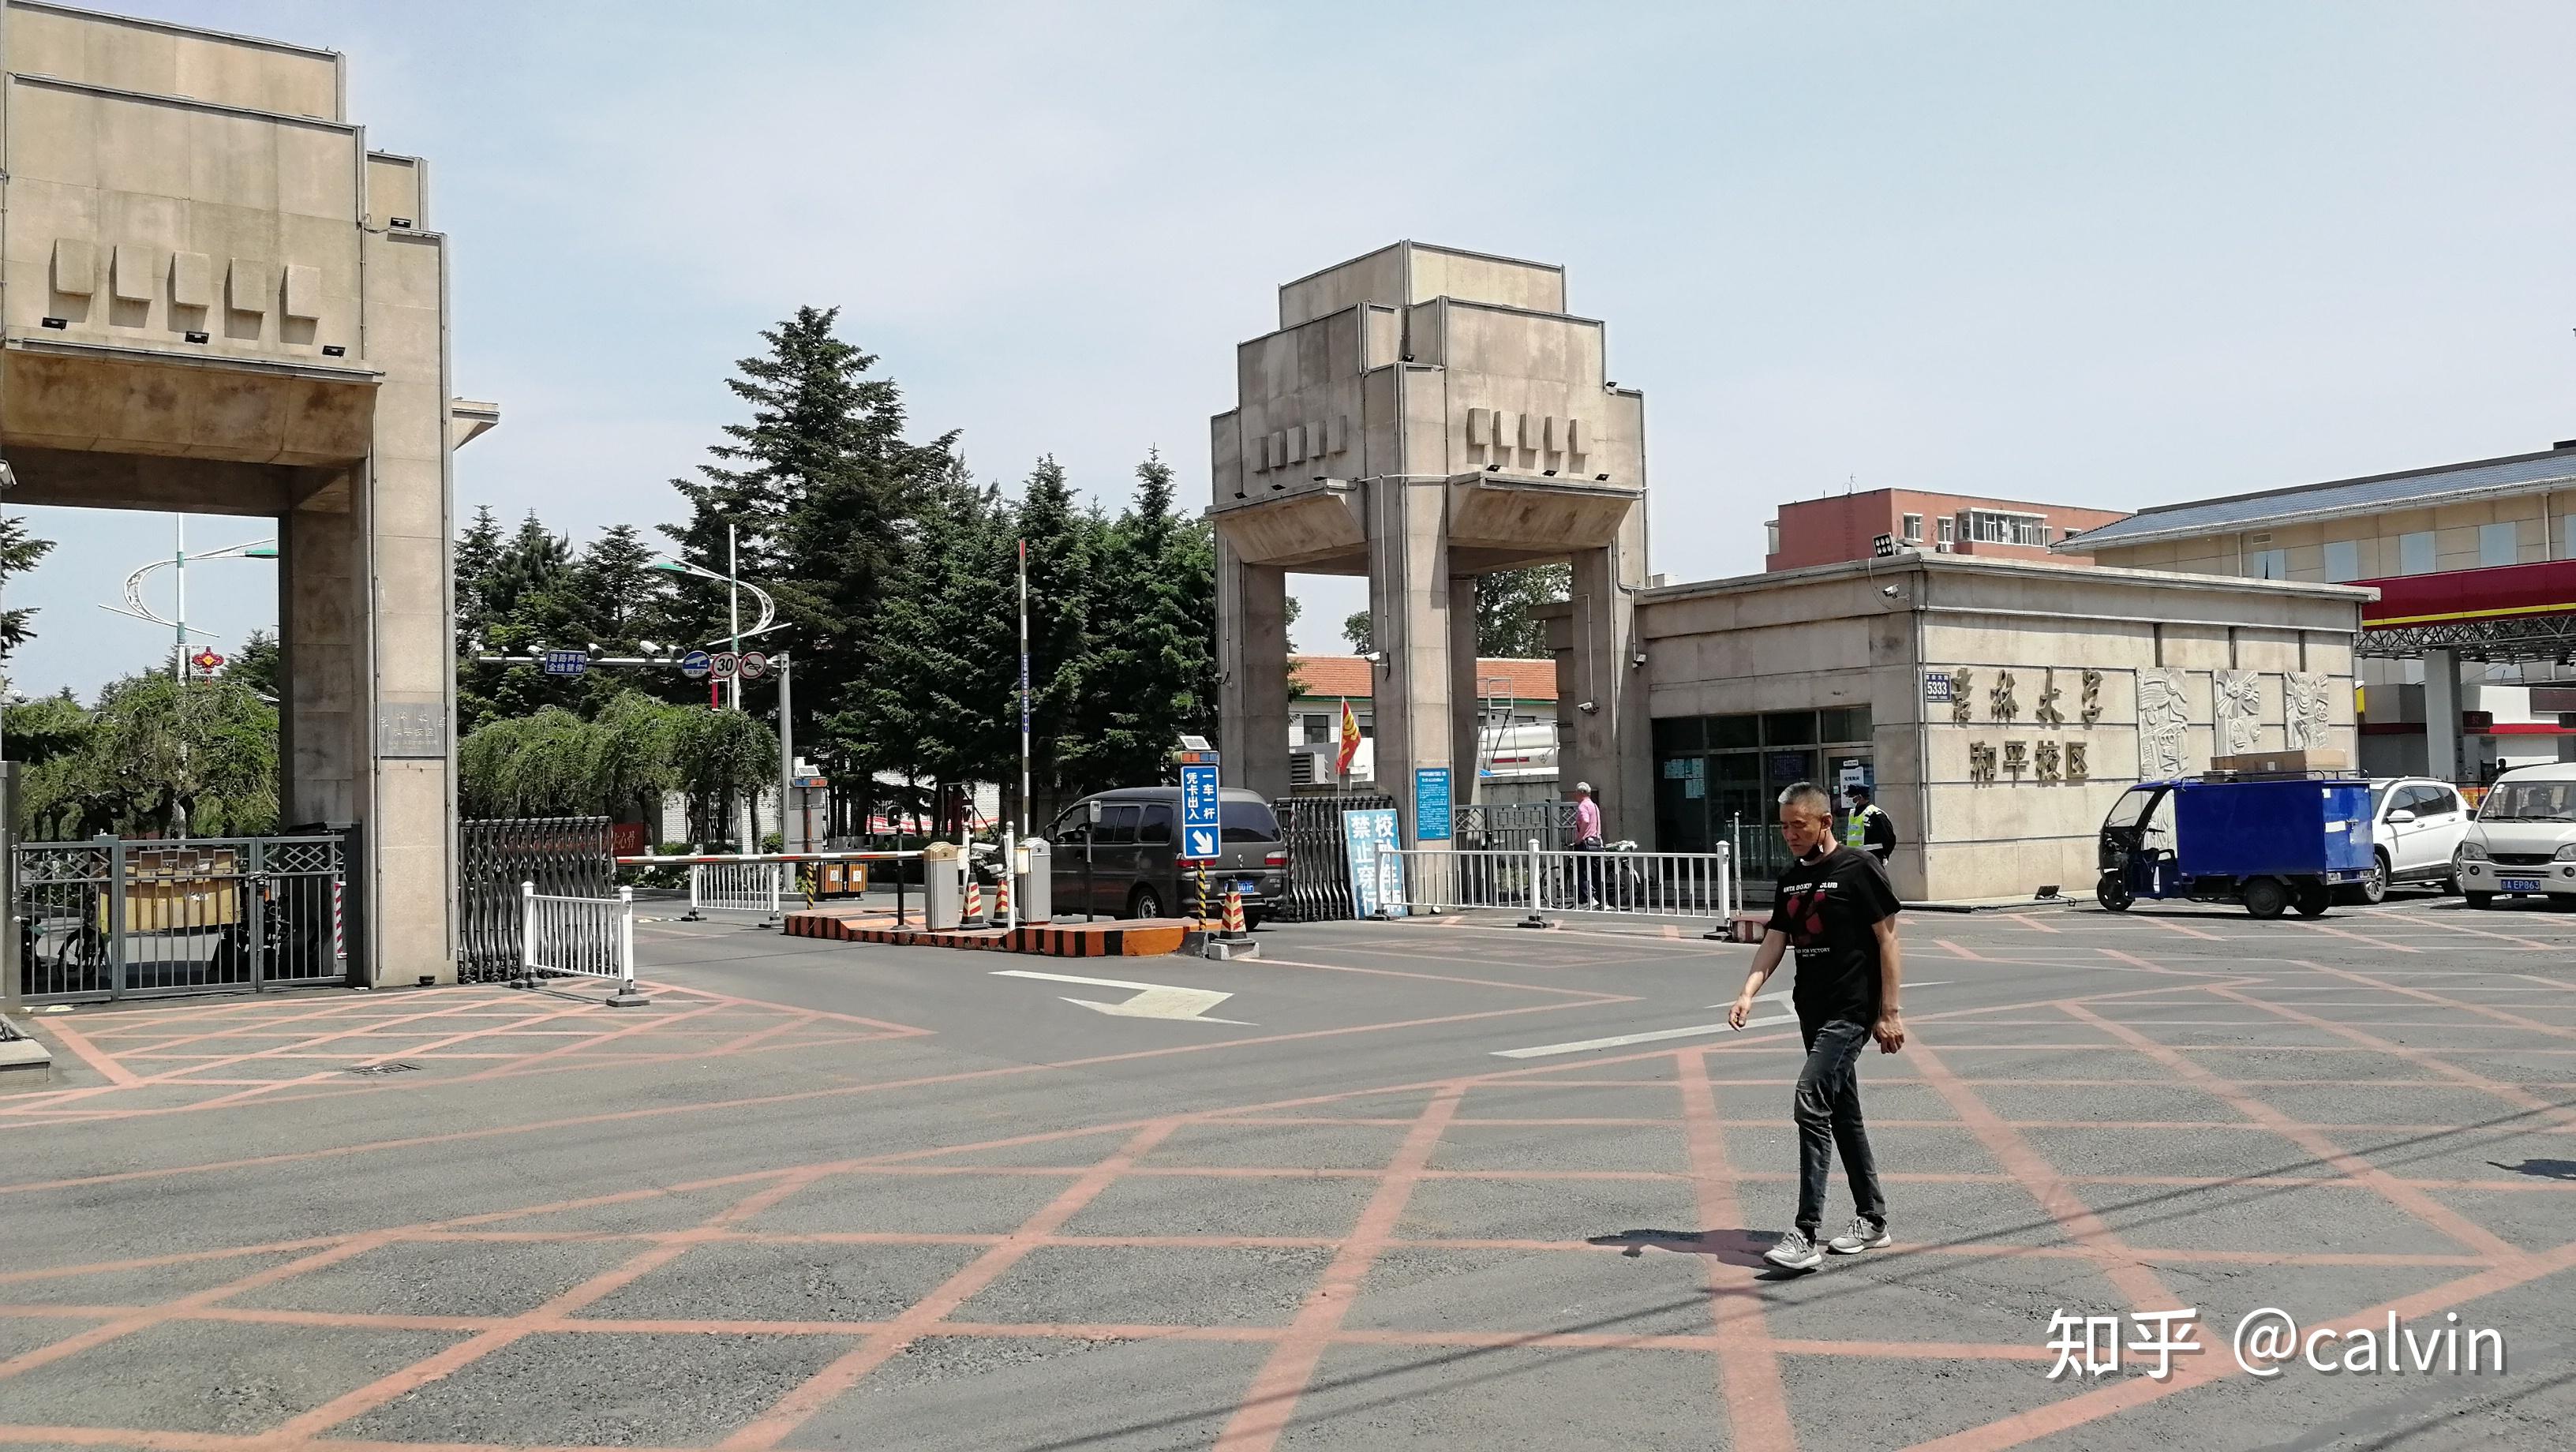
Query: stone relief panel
point(2164, 721)
point(2307, 716)
point(2238, 706)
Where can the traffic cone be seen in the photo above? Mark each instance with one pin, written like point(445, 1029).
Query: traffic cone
point(974, 900)
point(1233, 911)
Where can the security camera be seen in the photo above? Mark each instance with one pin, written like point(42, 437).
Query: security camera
point(1588, 707)
point(1638, 659)
point(1888, 590)
point(1373, 657)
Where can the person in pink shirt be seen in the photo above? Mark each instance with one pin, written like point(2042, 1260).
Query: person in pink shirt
point(1587, 838)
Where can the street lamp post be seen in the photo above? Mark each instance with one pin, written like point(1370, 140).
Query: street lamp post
point(735, 635)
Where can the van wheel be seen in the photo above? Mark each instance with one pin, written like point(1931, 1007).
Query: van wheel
point(2312, 899)
point(2265, 897)
point(1146, 903)
point(2112, 892)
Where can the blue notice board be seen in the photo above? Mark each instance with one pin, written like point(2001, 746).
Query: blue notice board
point(1369, 840)
point(1200, 830)
point(1431, 804)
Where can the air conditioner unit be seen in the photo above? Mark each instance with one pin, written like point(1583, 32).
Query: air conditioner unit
point(1942, 548)
point(1312, 765)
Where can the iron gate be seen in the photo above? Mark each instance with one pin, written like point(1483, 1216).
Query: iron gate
point(109, 918)
point(1509, 826)
point(563, 856)
point(1319, 874)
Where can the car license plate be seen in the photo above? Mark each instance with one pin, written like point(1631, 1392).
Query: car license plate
point(1246, 885)
point(2520, 884)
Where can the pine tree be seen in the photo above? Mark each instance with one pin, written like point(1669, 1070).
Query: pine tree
point(1064, 544)
point(478, 549)
point(19, 552)
point(1151, 672)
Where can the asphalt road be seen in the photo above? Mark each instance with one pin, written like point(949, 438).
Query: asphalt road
point(1431, 1184)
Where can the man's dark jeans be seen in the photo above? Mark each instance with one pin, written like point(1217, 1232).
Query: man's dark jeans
point(1828, 1114)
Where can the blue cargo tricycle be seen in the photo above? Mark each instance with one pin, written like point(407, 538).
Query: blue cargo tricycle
point(2271, 842)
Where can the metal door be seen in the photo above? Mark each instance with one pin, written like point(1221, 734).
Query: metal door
point(110, 918)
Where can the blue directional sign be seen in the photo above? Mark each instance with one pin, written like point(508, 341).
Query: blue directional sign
point(564, 662)
point(696, 664)
point(1431, 804)
point(1200, 832)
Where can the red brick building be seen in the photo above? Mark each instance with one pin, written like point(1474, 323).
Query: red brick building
point(1841, 527)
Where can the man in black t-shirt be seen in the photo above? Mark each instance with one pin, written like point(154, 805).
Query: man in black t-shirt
point(1836, 909)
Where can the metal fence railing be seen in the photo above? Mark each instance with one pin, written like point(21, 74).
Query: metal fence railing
point(737, 887)
point(580, 937)
point(571, 857)
point(1319, 871)
point(1538, 881)
point(110, 918)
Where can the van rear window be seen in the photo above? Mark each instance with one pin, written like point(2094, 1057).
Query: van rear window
point(1244, 821)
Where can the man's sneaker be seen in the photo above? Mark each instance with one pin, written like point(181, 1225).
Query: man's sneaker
point(1864, 1234)
point(1795, 1252)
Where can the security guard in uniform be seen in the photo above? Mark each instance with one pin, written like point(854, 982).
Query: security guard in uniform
point(1868, 829)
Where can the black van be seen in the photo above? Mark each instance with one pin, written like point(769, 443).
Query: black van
point(1114, 854)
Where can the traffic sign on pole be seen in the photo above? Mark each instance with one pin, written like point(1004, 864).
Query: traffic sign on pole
point(695, 665)
point(725, 663)
point(753, 665)
point(564, 662)
point(1200, 828)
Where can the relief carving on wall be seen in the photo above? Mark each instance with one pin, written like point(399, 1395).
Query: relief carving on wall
point(2044, 761)
point(2000, 699)
point(1981, 762)
point(2016, 759)
point(2164, 720)
point(2076, 770)
point(2307, 716)
point(1962, 694)
point(2092, 697)
point(2238, 698)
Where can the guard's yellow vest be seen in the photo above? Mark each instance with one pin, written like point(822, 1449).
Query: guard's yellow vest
point(1856, 829)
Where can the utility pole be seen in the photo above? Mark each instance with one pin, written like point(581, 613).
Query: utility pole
point(786, 751)
point(1024, 693)
point(733, 605)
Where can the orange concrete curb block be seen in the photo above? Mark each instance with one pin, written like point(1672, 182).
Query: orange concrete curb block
point(1147, 938)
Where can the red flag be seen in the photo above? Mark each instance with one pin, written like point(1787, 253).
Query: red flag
point(1350, 738)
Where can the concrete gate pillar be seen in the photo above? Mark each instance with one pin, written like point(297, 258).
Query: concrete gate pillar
point(1252, 665)
point(1466, 693)
point(1611, 745)
point(1409, 593)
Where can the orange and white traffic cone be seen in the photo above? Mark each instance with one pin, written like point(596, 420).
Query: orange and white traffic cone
point(1233, 911)
point(974, 900)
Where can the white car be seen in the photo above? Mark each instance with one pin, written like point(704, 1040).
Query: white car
point(2524, 838)
point(2416, 826)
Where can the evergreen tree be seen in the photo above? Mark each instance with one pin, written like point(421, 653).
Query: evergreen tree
point(1150, 676)
point(1360, 629)
point(478, 549)
point(1064, 544)
point(256, 665)
point(19, 552)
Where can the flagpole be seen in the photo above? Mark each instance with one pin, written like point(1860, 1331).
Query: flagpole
point(1024, 688)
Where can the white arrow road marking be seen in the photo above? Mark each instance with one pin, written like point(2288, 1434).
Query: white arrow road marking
point(1654, 1036)
point(1152, 1000)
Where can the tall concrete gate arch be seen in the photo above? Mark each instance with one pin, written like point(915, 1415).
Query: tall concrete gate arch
point(219, 299)
point(1423, 416)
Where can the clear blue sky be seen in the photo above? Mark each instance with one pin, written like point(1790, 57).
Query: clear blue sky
point(2095, 254)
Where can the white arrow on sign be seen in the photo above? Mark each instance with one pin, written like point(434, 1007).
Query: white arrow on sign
point(1202, 841)
point(1152, 1000)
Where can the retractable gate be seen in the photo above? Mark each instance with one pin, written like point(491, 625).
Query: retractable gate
point(570, 857)
point(110, 918)
point(1319, 873)
point(1508, 826)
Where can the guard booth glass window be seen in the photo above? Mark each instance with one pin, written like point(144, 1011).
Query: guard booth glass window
point(1718, 778)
